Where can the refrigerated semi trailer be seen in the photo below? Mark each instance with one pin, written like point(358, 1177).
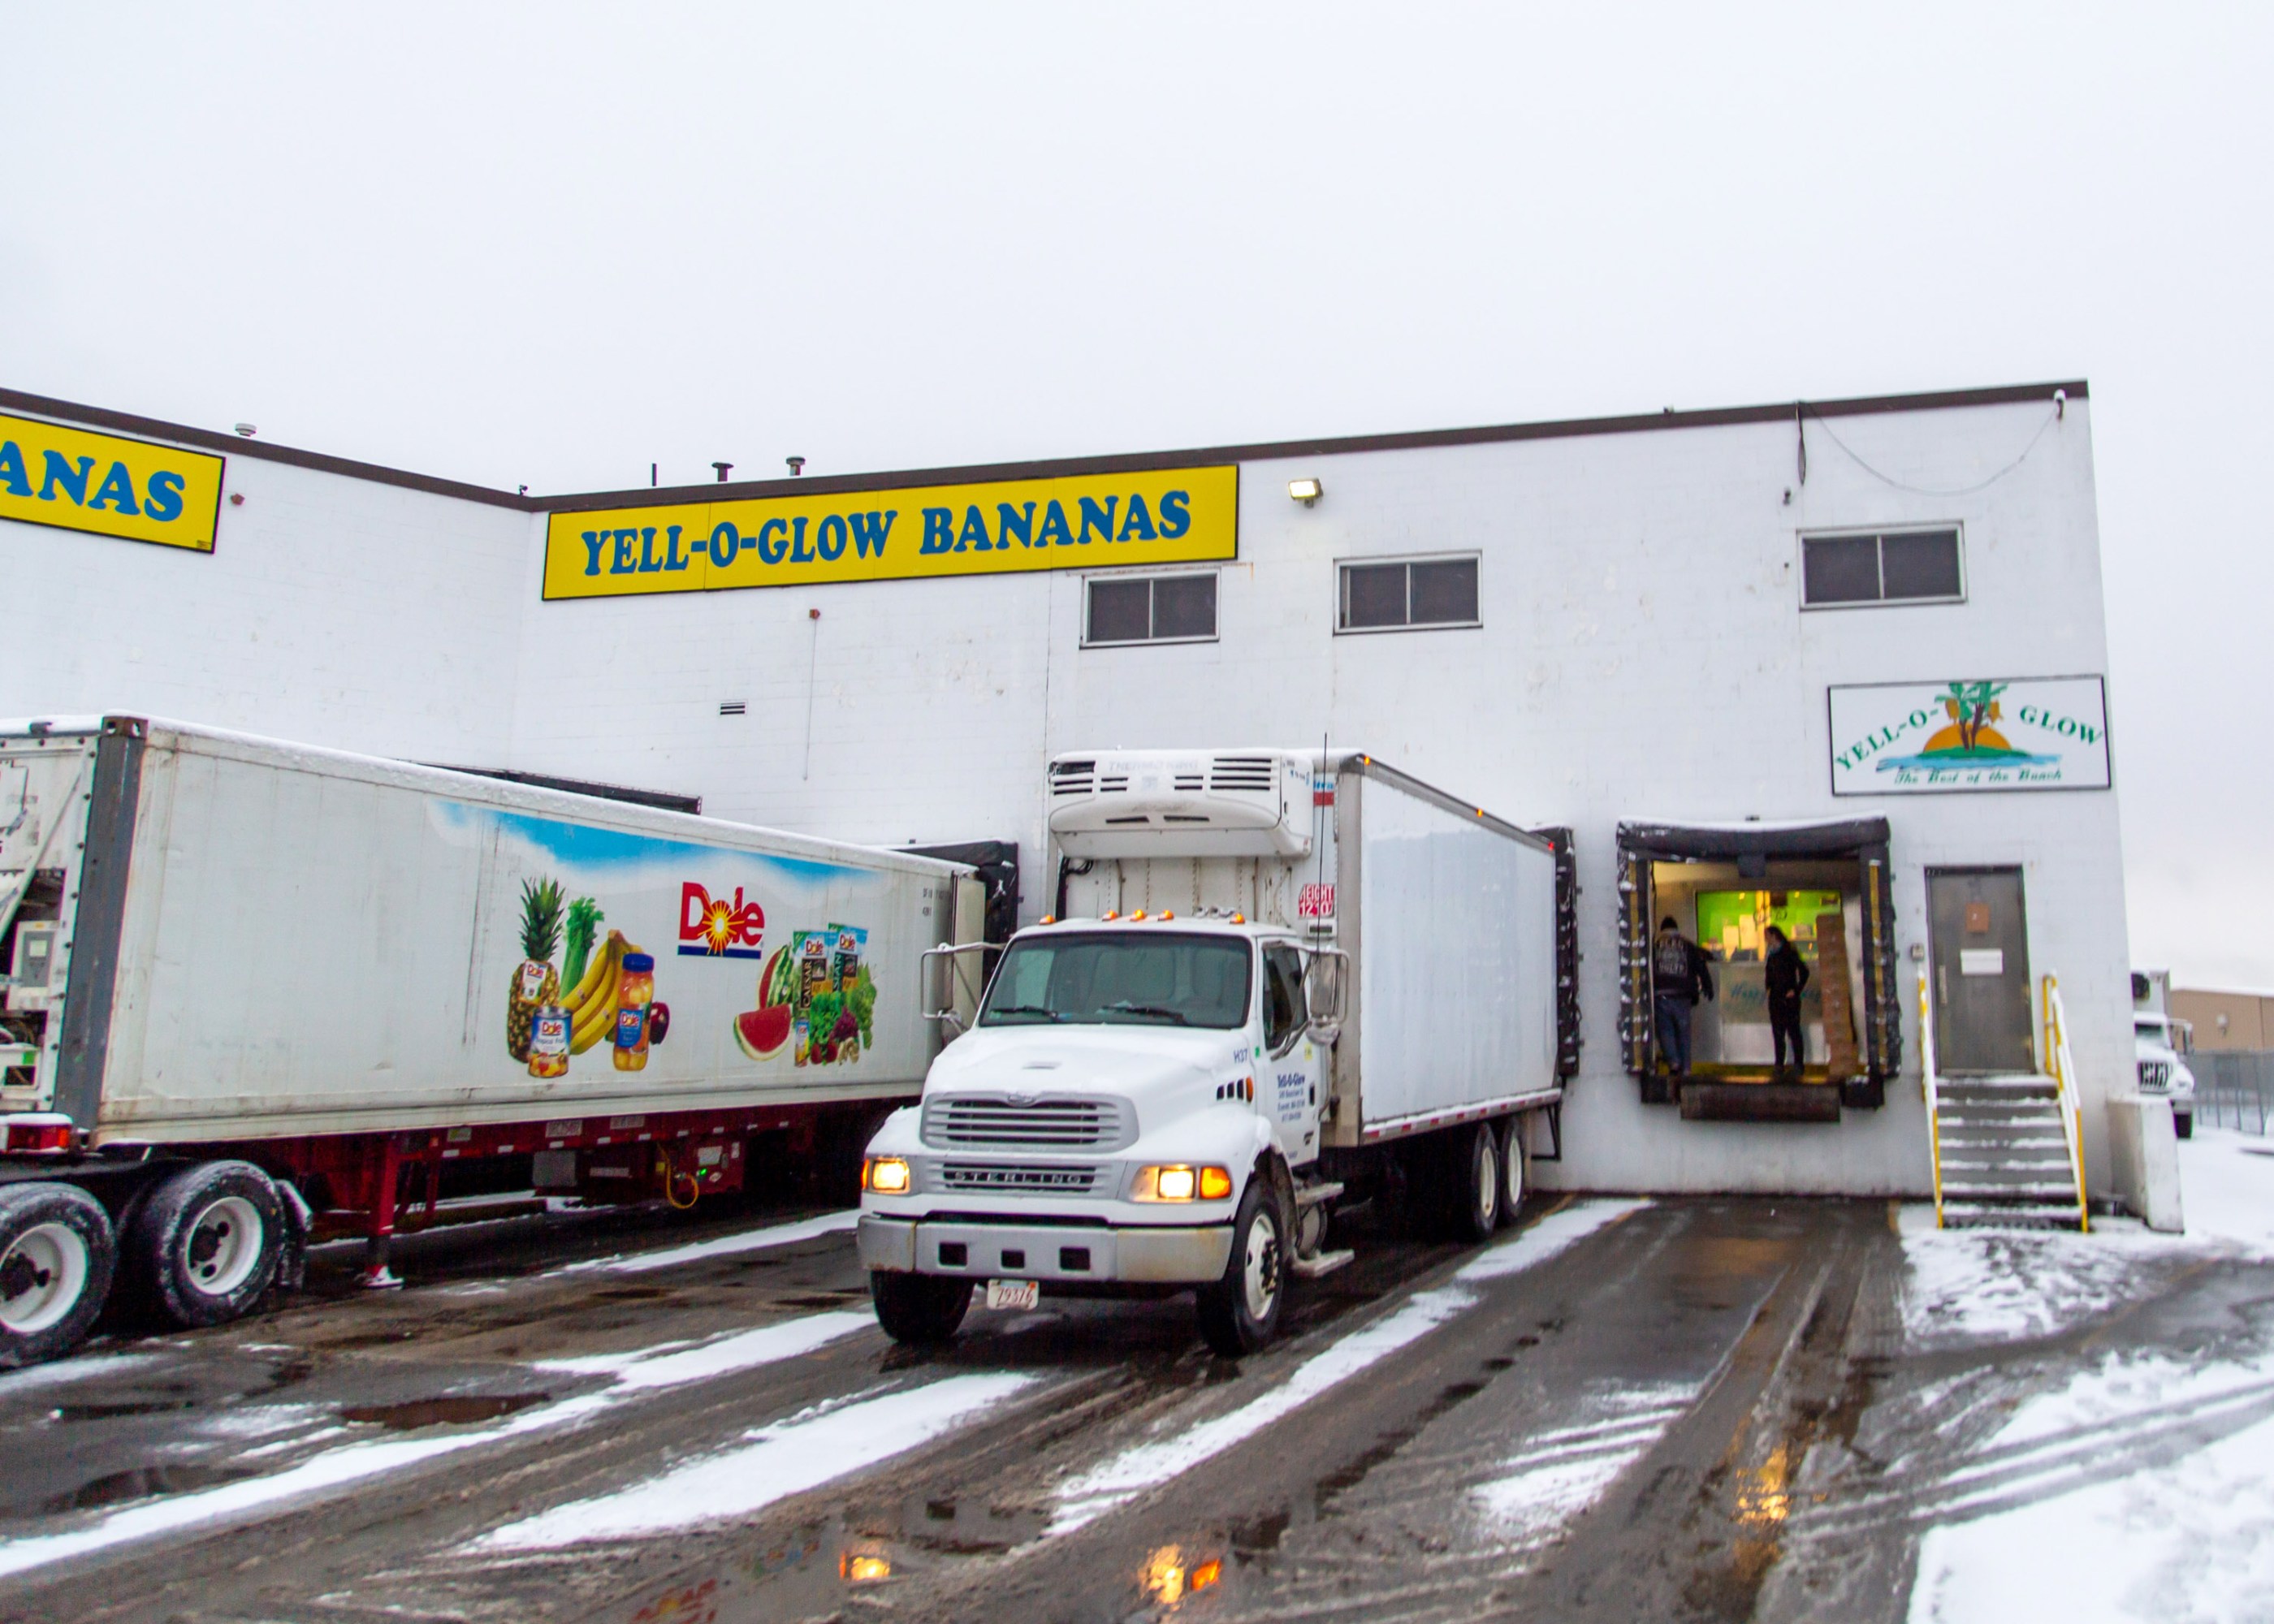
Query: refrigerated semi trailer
point(254, 994)
point(1276, 984)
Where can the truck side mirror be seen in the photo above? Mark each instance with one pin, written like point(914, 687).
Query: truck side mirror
point(949, 983)
point(1323, 977)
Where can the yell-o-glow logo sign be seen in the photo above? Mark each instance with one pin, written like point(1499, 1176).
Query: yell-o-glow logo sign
point(713, 927)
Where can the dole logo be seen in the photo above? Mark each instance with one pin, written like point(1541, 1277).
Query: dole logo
point(713, 927)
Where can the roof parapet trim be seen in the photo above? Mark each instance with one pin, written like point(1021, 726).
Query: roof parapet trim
point(825, 485)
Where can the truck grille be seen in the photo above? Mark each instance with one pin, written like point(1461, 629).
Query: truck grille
point(1028, 1124)
point(963, 1177)
point(2154, 1075)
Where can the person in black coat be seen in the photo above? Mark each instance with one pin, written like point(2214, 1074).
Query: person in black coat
point(1680, 974)
point(1784, 973)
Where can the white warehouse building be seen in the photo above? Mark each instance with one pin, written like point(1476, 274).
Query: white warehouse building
point(1837, 667)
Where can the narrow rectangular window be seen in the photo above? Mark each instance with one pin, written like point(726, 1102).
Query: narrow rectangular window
point(1893, 567)
point(1151, 609)
point(1404, 593)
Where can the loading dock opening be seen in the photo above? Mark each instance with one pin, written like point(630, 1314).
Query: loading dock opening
point(1827, 886)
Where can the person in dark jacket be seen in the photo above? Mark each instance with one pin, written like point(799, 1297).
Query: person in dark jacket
point(1783, 973)
point(1680, 974)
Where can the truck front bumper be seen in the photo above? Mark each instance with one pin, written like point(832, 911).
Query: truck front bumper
point(1154, 1255)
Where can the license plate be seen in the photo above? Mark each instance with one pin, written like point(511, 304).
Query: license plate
point(1014, 1293)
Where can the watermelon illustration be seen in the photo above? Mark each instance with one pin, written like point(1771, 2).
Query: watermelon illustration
point(762, 1032)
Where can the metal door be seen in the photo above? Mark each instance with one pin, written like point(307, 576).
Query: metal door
point(1982, 1017)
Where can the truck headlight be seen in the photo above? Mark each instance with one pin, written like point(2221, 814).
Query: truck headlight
point(1178, 1182)
point(885, 1175)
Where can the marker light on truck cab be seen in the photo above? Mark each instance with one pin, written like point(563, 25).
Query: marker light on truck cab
point(1178, 1182)
point(885, 1176)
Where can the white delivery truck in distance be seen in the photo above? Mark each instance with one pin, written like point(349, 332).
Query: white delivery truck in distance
point(254, 994)
point(1277, 982)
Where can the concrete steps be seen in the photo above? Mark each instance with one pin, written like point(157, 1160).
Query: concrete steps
point(2004, 1154)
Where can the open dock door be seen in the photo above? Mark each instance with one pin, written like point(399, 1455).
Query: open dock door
point(1827, 886)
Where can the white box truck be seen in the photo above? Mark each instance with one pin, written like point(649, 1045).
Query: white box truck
point(254, 993)
point(1276, 981)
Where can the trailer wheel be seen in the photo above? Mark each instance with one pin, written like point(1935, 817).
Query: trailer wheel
point(920, 1310)
point(205, 1246)
point(56, 1257)
point(1240, 1313)
point(1511, 1169)
point(1475, 1187)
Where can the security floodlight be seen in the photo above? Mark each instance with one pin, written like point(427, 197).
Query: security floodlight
point(1305, 491)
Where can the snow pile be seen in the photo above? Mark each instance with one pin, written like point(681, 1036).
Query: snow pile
point(2103, 1502)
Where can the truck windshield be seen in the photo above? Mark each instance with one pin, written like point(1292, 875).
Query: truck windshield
point(1158, 980)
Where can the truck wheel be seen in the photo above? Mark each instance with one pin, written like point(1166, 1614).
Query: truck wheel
point(921, 1310)
point(205, 1246)
point(2183, 1123)
point(1476, 1183)
point(56, 1256)
point(1240, 1313)
point(1511, 1169)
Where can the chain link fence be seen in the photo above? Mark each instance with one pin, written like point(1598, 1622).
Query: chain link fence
point(2234, 1088)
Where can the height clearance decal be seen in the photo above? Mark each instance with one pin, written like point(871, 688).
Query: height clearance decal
point(1085, 521)
point(1970, 733)
point(76, 480)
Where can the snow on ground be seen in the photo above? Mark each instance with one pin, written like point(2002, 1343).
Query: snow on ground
point(2011, 1285)
point(1120, 1480)
point(332, 1470)
point(725, 1245)
point(773, 1463)
point(1562, 1471)
point(2226, 1185)
point(2143, 1488)
point(2098, 1535)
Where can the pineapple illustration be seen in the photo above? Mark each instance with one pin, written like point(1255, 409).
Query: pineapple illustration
point(535, 981)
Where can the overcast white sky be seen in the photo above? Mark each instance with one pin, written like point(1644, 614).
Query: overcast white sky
point(551, 244)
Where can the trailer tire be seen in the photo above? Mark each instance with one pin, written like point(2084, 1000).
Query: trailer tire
point(1474, 1187)
point(57, 1254)
point(1511, 1169)
point(923, 1311)
point(1240, 1313)
point(205, 1246)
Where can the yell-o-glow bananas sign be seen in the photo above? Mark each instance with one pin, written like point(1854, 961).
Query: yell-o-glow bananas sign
point(77, 480)
point(1003, 527)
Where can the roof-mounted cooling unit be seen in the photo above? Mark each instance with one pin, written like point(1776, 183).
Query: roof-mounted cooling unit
point(1182, 803)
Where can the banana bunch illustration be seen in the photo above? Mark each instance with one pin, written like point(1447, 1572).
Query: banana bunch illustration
point(592, 1002)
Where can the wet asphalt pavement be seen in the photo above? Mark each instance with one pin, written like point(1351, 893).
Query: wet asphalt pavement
point(1694, 1409)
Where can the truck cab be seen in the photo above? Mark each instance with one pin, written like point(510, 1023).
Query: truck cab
point(1275, 976)
point(1133, 1109)
point(2157, 1041)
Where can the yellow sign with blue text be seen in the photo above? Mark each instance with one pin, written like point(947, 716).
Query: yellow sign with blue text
point(1081, 522)
point(108, 486)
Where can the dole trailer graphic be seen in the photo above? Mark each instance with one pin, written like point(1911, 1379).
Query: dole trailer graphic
point(715, 927)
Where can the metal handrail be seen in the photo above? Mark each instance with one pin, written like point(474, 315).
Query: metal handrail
point(2072, 1108)
point(1932, 1088)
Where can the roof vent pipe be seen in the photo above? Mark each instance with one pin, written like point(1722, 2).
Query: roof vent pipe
point(796, 467)
point(724, 469)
